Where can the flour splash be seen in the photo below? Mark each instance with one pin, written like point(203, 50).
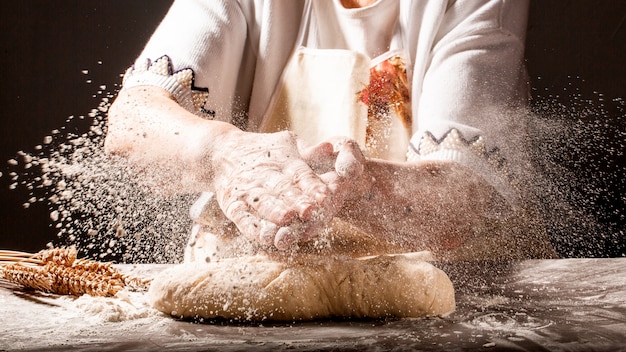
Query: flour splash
point(94, 199)
point(578, 150)
point(574, 176)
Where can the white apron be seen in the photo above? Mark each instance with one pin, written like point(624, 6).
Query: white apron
point(322, 93)
point(325, 93)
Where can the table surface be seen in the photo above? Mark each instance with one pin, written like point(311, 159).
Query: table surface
point(533, 305)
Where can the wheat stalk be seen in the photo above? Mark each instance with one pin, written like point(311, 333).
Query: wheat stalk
point(27, 276)
point(58, 270)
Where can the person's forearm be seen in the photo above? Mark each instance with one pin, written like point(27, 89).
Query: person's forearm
point(260, 180)
point(424, 205)
point(170, 145)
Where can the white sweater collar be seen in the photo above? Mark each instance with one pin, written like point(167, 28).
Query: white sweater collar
point(368, 30)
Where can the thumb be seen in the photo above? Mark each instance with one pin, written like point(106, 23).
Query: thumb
point(350, 161)
point(319, 157)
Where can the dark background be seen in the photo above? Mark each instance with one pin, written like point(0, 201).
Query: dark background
point(576, 52)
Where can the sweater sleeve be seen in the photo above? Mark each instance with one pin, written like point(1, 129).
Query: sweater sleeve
point(475, 83)
point(194, 54)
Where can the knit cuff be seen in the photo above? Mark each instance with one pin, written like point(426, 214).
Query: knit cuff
point(180, 84)
point(471, 154)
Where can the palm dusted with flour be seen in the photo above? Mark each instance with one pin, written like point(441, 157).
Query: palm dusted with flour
point(275, 191)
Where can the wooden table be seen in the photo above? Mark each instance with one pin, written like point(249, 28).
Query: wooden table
point(534, 305)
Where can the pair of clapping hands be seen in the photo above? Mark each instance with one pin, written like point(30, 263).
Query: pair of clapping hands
point(279, 192)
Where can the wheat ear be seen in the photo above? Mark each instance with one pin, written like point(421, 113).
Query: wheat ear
point(58, 270)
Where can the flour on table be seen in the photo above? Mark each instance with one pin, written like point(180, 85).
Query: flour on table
point(124, 306)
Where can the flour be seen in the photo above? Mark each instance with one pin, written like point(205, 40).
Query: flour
point(125, 306)
point(97, 203)
point(95, 200)
point(578, 155)
point(39, 321)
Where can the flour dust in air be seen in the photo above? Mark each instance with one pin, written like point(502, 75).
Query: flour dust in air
point(578, 142)
point(95, 201)
point(574, 176)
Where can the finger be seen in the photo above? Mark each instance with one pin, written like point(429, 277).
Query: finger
point(247, 224)
point(271, 208)
point(268, 233)
point(287, 236)
point(289, 193)
point(320, 157)
point(305, 208)
point(350, 161)
point(299, 231)
point(309, 183)
point(294, 199)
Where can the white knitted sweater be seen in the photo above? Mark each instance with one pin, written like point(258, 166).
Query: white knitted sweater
point(222, 59)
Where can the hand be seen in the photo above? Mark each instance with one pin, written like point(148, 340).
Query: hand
point(260, 181)
point(268, 190)
point(339, 162)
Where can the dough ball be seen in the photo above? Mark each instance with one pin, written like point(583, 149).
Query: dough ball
point(262, 289)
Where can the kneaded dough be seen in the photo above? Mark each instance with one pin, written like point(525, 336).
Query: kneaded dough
point(259, 288)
